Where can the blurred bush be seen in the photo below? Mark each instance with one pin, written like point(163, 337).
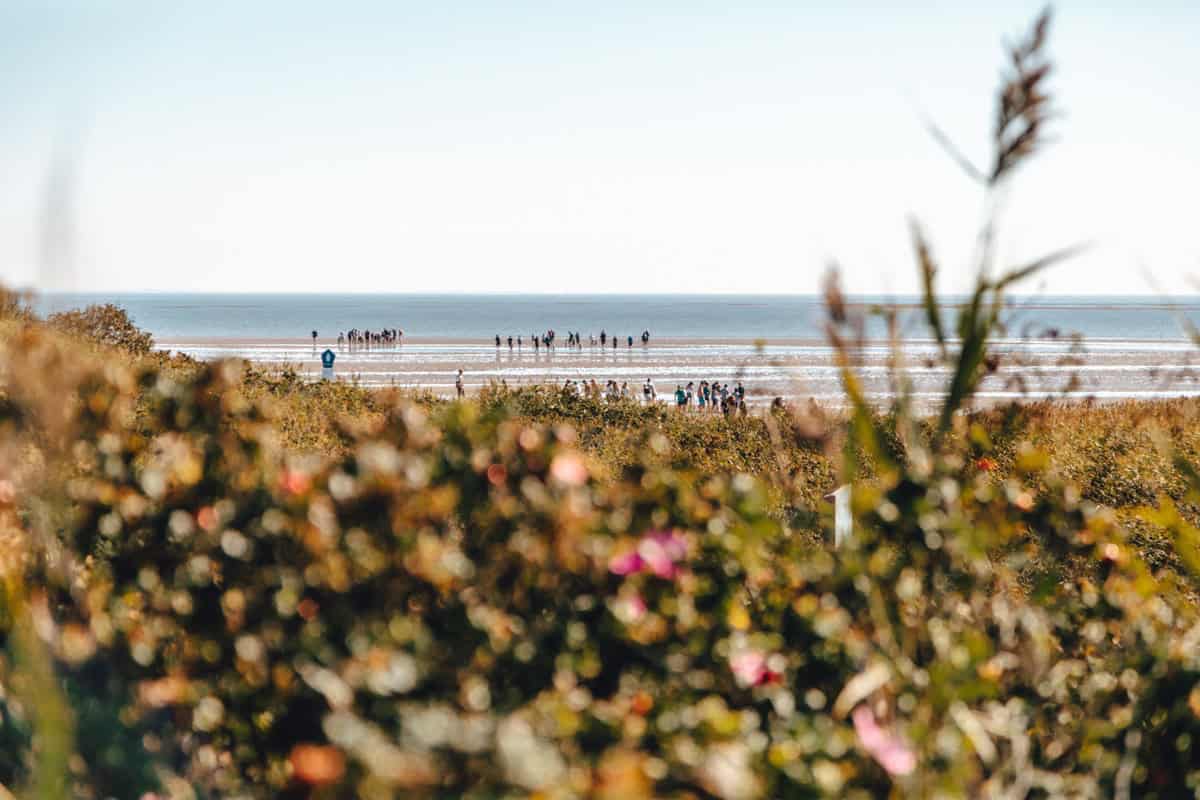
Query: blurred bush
point(106, 325)
point(222, 582)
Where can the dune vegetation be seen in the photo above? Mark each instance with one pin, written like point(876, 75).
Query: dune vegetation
point(224, 581)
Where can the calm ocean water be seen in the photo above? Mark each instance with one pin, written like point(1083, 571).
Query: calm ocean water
point(1128, 347)
point(271, 316)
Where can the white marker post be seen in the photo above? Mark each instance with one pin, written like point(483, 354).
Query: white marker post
point(327, 365)
point(843, 522)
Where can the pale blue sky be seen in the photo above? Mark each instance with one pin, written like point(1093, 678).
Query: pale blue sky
point(624, 147)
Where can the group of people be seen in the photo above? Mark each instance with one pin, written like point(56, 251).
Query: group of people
point(574, 340)
point(354, 338)
point(709, 397)
point(705, 397)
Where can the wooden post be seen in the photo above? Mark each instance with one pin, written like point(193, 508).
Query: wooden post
point(843, 521)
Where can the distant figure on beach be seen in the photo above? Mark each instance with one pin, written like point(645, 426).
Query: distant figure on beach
point(690, 389)
point(630, 341)
point(603, 337)
point(497, 340)
point(341, 340)
point(648, 393)
point(314, 341)
point(680, 398)
point(458, 385)
point(645, 337)
point(510, 343)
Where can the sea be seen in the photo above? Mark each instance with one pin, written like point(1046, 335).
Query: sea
point(1071, 347)
point(471, 316)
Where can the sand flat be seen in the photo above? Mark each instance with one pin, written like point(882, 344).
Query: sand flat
point(790, 368)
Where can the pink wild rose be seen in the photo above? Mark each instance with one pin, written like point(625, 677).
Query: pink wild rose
point(628, 563)
point(750, 668)
point(662, 551)
point(891, 751)
point(631, 608)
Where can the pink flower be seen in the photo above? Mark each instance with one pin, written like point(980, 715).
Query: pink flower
point(672, 542)
point(657, 559)
point(294, 482)
point(662, 551)
point(569, 469)
point(750, 668)
point(627, 563)
point(631, 608)
point(658, 552)
point(892, 752)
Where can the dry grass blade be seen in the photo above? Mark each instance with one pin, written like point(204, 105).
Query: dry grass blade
point(1022, 273)
point(1023, 108)
point(835, 301)
point(928, 267)
point(954, 152)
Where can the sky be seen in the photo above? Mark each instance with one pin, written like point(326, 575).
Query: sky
point(619, 147)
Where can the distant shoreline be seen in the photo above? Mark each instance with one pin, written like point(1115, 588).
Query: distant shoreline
point(795, 368)
point(175, 342)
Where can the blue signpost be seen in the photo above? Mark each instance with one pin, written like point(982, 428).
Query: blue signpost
point(327, 365)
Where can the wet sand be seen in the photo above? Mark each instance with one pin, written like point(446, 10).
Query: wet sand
point(794, 369)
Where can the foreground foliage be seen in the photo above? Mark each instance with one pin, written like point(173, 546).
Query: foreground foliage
point(211, 590)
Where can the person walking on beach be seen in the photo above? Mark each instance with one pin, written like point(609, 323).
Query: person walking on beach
point(650, 392)
point(497, 340)
point(690, 390)
point(314, 341)
point(680, 398)
point(630, 342)
point(645, 337)
point(603, 337)
point(458, 385)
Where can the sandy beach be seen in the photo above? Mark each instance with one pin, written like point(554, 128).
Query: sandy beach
point(794, 369)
